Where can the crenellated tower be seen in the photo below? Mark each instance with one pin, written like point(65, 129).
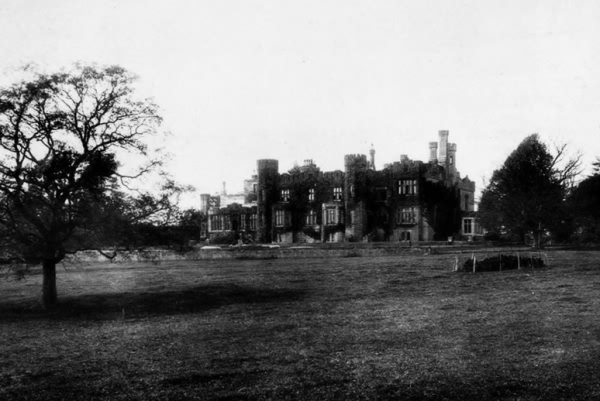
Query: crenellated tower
point(451, 162)
point(355, 186)
point(204, 203)
point(446, 157)
point(267, 185)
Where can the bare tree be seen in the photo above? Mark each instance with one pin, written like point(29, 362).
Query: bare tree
point(61, 180)
point(566, 168)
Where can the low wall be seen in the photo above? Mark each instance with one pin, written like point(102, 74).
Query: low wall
point(332, 250)
point(302, 252)
point(155, 255)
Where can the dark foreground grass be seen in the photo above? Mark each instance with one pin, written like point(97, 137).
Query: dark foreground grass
point(405, 328)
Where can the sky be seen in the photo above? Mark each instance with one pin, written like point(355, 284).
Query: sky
point(243, 80)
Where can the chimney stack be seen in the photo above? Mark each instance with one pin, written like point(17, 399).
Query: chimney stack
point(443, 146)
point(433, 147)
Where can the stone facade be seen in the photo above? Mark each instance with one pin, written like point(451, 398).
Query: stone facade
point(408, 200)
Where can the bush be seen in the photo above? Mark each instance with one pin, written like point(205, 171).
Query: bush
point(312, 232)
point(492, 236)
point(224, 238)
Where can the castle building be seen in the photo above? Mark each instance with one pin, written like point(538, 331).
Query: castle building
point(407, 200)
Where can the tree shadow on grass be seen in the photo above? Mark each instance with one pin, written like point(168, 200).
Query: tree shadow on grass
point(146, 304)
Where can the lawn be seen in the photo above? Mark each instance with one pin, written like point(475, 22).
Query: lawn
point(403, 327)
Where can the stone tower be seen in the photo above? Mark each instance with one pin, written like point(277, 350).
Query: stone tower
point(204, 203)
point(267, 185)
point(446, 156)
point(451, 162)
point(355, 184)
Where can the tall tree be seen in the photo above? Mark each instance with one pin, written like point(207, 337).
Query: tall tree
point(61, 182)
point(596, 165)
point(527, 194)
point(583, 203)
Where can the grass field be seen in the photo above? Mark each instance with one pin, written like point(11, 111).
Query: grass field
point(406, 328)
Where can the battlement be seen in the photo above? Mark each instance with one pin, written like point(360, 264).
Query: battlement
point(353, 158)
point(356, 161)
point(336, 175)
point(268, 164)
point(285, 178)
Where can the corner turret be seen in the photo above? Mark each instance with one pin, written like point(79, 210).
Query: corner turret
point(268, 181)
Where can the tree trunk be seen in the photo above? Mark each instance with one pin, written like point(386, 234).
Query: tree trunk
point(49, 297)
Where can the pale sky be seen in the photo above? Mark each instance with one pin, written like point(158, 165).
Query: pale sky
point(243, 80)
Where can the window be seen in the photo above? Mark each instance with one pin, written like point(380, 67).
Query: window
point(216, 223)
point(311, 194)
point(279, 218)
point(467, 226)
point(243, 222)
point(253, 222)
point(337, 193)
point(282, 218)
point(406, 215)
point(311, 218)
point(285, 195)
point(407, 187)
point(226, 222)
point(405, 236)
point(331, 216)
point(466, 202)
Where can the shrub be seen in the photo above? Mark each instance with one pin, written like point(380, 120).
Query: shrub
point(224, 238)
